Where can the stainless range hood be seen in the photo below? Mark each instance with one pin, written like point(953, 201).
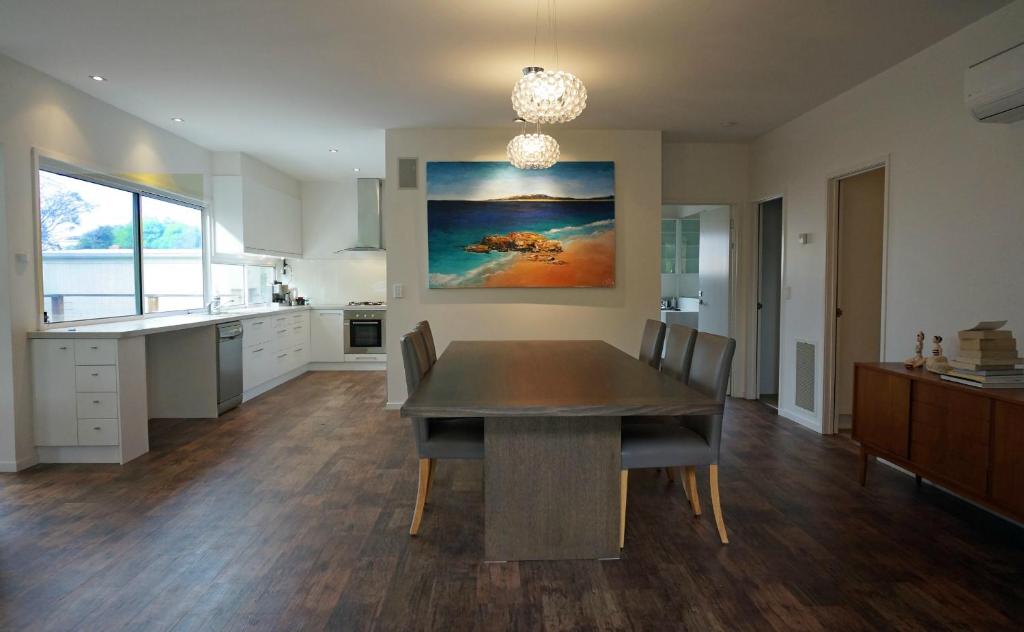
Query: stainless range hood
point(368, 219)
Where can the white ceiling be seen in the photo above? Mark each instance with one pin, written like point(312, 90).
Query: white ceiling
point(285, 80)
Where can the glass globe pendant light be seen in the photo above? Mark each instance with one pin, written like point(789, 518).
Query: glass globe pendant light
point(548, 96)
point(542, 96)
point(533, 151)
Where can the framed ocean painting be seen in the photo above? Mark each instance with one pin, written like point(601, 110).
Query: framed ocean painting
point(492, 225)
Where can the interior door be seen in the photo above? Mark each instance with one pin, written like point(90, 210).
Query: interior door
point(858, 282)
point(714, 271)
point(768, 296)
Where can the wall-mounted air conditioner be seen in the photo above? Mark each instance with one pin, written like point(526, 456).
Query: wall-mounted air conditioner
point(994, 87)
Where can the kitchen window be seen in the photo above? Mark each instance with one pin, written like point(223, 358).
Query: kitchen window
point(239, 284)
point(111, 250)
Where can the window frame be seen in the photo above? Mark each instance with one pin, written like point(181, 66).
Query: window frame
point(59, 166)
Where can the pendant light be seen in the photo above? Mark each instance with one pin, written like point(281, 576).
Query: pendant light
point(533, 151)
point(548, 96)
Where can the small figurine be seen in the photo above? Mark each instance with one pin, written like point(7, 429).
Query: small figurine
point(918, 359)
point(938, 362)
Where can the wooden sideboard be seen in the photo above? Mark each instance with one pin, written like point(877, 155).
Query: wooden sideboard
point(968, 440)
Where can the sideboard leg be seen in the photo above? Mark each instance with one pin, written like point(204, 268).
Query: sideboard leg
point(863, 475)
point(917, 479)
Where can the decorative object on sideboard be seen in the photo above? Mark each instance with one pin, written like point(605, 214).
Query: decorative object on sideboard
point(937, 363)
point(988, 358)
point(918, 358)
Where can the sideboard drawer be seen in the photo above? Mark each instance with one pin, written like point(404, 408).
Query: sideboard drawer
point(950, 435)
point(1008, 457)
point(881, 410)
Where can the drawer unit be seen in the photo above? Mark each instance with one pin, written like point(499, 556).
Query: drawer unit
point(89, 352)
point(98, 432)
point(96, 405)
point(256, 331)
point(96, 379)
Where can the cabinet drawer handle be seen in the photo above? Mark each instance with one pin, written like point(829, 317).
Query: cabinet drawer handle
point(95, 374)
point(95, 401)
point(95, 348)
point(63, 348)
point(259, 322)
point(96, 428)
point(257, 350)
point(283, 355)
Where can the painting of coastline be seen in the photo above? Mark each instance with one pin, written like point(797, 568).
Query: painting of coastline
point(492, 225)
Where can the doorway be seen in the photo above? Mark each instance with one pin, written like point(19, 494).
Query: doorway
point(769, 300)
point(696, 256)
point(857, 284)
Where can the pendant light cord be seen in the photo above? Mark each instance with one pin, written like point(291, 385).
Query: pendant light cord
point(552, 29)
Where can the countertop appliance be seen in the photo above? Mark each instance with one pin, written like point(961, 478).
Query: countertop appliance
point(229, 366)
point(364, 333)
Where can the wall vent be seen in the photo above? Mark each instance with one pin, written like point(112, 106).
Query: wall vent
point(407, 173)
point(804, 397)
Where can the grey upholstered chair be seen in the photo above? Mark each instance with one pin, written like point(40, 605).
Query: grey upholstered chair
point(693, 440)
point(428, 339)
point(652, 342)
point(436, 438)
point(679, 342)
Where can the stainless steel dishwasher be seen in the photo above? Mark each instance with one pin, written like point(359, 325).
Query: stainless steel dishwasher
point(229, 366)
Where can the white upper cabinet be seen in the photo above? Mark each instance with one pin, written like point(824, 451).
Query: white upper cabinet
point(256, 210)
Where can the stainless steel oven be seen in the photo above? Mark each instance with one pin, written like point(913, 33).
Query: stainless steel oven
point(364, 331)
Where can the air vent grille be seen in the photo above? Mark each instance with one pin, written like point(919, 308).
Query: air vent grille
point(407, 173)
point(804, 397)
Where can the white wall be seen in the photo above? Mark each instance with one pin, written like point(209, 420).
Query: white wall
point(328, 277)
point(719, 173)
point(615, 315)
point(956, 198)
point(38, 111)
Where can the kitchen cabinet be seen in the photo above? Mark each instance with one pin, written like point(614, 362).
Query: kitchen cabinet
point(250, 217)
point(274, 347)
point(89, 399)
point(327, 341)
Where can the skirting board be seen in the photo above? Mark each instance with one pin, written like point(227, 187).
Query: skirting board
point(20, 464)
point(79, 454)
point(798, 418)
point(393, 406)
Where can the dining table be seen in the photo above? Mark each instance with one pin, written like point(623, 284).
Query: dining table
point(552, 413)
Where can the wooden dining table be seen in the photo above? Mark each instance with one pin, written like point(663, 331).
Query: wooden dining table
point(552, 421)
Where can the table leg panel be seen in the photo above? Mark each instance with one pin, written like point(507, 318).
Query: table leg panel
point(551, 487)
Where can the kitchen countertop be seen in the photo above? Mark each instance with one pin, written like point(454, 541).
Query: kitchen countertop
point(160, 324)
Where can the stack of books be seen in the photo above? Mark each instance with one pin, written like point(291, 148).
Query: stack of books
point(988, 358)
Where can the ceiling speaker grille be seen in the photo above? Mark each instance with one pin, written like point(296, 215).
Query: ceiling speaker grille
point(804, 396)
point(408, 169)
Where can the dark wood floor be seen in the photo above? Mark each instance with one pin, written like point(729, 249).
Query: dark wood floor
point(291, 512)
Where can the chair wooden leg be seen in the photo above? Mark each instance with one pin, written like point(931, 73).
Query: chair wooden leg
point(691, 484)
point(623, 486)
point(421, 496)
point(430, 478)
point(716, 505)
point(686, 488)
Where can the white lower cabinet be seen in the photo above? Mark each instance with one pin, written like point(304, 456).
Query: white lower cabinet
point(327, 342)
point(280, 348)
point(89, 399)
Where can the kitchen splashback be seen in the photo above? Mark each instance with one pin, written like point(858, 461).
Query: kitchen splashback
point(356, 277)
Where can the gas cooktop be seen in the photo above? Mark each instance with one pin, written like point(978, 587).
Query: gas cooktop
point(366, 303)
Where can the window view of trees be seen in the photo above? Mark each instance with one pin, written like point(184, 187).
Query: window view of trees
point(88, 242)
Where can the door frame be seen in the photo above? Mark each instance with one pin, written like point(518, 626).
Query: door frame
point(829, 424)
point(733, 286)
point(756, 347)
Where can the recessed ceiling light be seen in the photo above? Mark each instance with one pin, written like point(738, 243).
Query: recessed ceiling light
point(333, 150)
point(177, 119)
point(97, 78)
point(356, 170)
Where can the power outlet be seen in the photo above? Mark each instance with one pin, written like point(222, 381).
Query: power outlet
point(398, 291)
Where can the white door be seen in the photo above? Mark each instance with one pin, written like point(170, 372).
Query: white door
point(53, 387)
point(326, 337)
point(714, 271)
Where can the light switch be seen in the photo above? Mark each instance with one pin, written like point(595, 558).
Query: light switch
point(398, 291)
